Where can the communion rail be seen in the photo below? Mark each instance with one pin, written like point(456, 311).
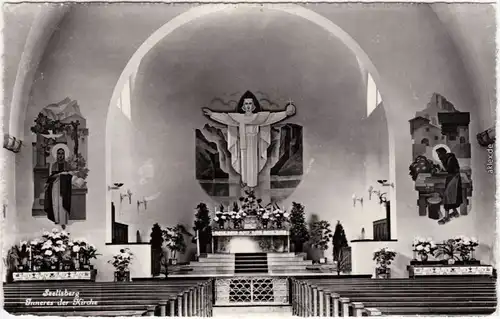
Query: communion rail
point(309, 300)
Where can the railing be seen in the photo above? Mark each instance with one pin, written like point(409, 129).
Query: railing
point(312, 301)
point(248, 290)
point(196, 301)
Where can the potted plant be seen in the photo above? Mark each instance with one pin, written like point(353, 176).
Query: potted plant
point(87, 253)
point(321, 234)
point(174, 238)
point(202, 227)
point(423, 248)
point(383, 258)
point(121, 262)
point(298, 229)
point(465, 249)
point(339, 242)
point(448, 251)
point(12, 262)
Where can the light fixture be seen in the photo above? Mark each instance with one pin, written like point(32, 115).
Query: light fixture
point(142, 202)
point(127, 194)
point(115, 186)
point(356, 199)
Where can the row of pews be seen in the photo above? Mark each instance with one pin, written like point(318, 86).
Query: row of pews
point(356, 297)
point(171, 297)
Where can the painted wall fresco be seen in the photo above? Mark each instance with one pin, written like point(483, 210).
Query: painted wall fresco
point(60, 163)
point(442, 160)
point(245, 146)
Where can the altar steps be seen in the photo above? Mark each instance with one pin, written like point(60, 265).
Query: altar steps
point(287, 262)
point(250, 263)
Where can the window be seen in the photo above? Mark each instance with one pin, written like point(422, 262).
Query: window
point(435, 138)
point(124, 100)
point(462, 140)
point(373, 98)
point(425, 142)
point(453, 138)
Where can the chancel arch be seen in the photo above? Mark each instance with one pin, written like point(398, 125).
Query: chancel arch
point(205, 10)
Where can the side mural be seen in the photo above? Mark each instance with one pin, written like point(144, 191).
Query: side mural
point(245, 147)
point(441, 165)
point(60, 163)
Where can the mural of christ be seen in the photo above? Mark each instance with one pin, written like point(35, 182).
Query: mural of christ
point(249, 135)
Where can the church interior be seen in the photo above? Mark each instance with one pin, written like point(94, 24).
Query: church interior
point(199, 160)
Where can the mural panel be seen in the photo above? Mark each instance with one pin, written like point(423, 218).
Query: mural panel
point(248, 149)
point(442, 160)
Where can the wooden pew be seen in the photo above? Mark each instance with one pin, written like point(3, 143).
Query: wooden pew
point(165, 298)
point(408, 296)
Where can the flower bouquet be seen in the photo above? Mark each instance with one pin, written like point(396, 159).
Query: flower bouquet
point(279, 216)
point(121, 262)
point(424, 247)
point(383, 258)
point(264, 216)
point(221, 217)
point(237, 216)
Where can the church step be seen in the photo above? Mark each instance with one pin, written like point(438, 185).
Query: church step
point(219, 256)
point(294, 262)
point(251, 270)
point(280, 255)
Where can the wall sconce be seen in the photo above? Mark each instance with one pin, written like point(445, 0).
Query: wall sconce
point(356, 199)
point(142, 202)
point(486, 137)
point(384, 182)
point(127, 194)
point(381, 196)
point(11, 143)
point(115, 186)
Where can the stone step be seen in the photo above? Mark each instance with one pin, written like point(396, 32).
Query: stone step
point(281, 255)
point(296, 262)
point(437, 310)
point(98, 313)
point(219, 256)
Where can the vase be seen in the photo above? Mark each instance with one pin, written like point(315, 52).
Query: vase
point(279, 224)
point(382, 273)
point(264, 225)
point(424, 257)
point(53, 267)
point(122, 276)
point(451, 261)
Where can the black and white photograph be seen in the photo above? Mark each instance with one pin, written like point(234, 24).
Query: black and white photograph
point(242, 159)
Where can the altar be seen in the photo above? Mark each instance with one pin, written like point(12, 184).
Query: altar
point(250, 241)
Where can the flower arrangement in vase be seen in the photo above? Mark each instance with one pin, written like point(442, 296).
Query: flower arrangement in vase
point(383, 258)
point(448, 251)
point(279, 216)
point(237, 216)
point(53, 251)
point(121, 262)
point(264, 217)
point(424, 247)
point(221, 217)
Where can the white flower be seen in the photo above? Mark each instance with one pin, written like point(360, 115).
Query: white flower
point(48, 252)
point(420, 247)
point(76, 248)
point(34, 242)
point(55, 230)
point(474, 240)
point(64, 233)
point(70, 243)
point(223, 217)
point(427, 249)
point(286, 215)
point(216, 218)
point(59, 242)
point(46, 233)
